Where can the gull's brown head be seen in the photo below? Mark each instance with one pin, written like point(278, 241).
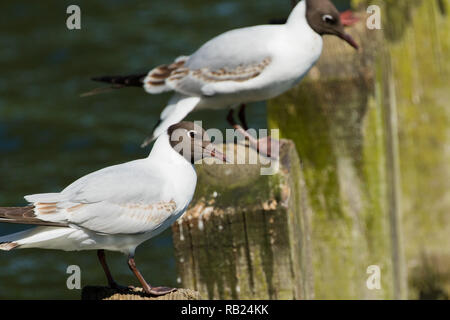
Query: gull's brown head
point(192, 142)
point(324, 18)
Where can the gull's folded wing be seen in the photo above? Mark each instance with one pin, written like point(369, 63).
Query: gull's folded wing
point(234, 57)
point(124, 199)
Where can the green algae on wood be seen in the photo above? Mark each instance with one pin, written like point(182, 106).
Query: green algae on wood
point(408, 69)
point(421, 72)
point(335, 120)
point(372, 132)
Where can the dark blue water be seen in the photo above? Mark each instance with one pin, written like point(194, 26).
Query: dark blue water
point(49, 136)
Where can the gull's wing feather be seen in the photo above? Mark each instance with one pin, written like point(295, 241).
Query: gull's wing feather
point(124, 199)
point(233, 57)
point(120, 182)
point(239, 47)
point(225, 63)
point(111, 217)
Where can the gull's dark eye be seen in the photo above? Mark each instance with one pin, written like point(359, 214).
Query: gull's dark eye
point(328, 19)
point(192, 133)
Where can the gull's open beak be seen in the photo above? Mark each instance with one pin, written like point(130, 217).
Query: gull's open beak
point(348, 38)
point(210, 150)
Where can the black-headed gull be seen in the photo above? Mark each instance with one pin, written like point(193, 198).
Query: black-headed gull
point(119, 207)
point(243, 65)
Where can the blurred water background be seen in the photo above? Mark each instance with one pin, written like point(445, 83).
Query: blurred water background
point(49, 136)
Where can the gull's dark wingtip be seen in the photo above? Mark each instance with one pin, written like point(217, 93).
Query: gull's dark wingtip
point(133, 80)
point(116, 82)
point(100, 79)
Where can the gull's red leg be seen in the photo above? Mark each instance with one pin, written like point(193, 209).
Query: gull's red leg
point(266, 146)
point(156, 291)
point(111, 282)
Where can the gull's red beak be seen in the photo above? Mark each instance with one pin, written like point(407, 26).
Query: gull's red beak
point(348, 18)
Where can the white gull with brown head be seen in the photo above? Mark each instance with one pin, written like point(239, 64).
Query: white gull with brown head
point(243, 65)
point(119, 207)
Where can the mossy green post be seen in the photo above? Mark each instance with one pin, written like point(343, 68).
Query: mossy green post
point(246, 235)
point(417, 49)
point(414, 73)
point(334, 118)
point(372, 131)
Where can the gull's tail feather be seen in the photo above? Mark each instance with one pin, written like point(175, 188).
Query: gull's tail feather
point(7, 246)
point(153, 82)
point(45, 197)
point(133, 80)
point(117, 82)
point(8, 243)
point(25, 215)
point(177, 109)
point(39, 237)
point(156, 80)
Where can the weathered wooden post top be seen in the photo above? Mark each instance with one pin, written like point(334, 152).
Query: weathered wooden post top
point(246, 236)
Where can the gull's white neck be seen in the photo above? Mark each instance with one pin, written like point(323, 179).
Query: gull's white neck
point(297, 18)
point(163, 151)
point(179, 174)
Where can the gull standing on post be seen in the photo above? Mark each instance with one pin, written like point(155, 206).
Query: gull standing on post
point(119, 207)
point(243, 65)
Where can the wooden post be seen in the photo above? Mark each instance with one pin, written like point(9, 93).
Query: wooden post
point(246, 236)
point(414, 70)
point(107, 293)
point(372, 129)
point(337, 122)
